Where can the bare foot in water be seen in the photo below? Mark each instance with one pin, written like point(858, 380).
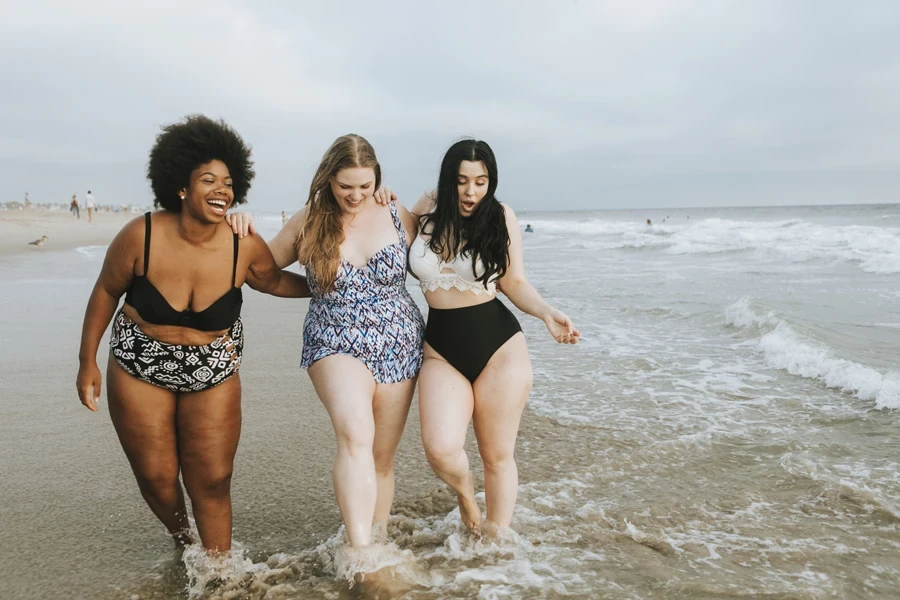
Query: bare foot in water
point(182, 539)
point(469, 511)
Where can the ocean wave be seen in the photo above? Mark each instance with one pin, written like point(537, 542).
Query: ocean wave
point(855, 484)
point(91, 251)
point(873, 249)
point(784, 349)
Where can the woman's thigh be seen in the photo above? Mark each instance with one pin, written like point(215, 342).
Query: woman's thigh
point(346, 388)
point(500, 394)
point(446, 402)
point(209, 429)
point(390, 409)
point(144, 418)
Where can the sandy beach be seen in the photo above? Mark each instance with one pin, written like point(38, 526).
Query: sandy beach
point(61, 456)
point(63, 230)
point(721, 430)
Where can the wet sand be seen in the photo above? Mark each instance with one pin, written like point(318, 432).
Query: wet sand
point(70, 506)
point(662, 457)
point(63, 230)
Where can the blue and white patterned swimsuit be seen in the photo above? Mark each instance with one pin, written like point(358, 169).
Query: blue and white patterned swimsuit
point(369, 315)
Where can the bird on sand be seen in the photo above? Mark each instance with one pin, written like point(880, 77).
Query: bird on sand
point(39, 242)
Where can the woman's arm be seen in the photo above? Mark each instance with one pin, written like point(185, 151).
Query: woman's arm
point(424, 205)
point(282, 245)
point(115, 278)
point(263, 274)
point(410, 223)
point(516, 287)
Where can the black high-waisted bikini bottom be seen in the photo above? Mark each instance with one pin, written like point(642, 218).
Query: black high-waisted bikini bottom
point(468, 337)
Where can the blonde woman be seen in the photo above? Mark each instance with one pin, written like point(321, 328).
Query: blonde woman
point(362, 339)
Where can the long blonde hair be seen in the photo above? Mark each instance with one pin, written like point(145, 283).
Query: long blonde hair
point(318, 245)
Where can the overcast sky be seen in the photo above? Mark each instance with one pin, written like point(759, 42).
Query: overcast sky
point(587, 104)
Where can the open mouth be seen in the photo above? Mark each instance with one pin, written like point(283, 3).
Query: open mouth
point(469, 206)
point(218, 206)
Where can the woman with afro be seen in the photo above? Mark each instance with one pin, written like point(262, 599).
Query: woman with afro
point(173, 385)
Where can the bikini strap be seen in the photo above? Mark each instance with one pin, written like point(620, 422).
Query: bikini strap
point(395, 214)
point(146, 242)
point(234, 268)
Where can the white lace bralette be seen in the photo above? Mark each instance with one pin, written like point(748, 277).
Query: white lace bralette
point(432, 272)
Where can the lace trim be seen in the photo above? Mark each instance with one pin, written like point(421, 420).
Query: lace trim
point(445, 281)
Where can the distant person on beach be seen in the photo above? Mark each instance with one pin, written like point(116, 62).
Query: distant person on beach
point(27, 201)
point(173, 385)
point(649, 223)
point(476, 360)
point(362, 338)
point(283, 218)
point(90, 204)
point(528, 228)
point(73, 206)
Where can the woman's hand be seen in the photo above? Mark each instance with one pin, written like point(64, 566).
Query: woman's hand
point(384, 194)
point(88, 385)
point(561, 327)
point(241, 223)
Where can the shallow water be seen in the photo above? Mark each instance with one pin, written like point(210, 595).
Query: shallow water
point(727, 428)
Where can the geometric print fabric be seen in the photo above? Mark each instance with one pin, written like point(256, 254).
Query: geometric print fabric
point(176, 367)
point(369, 315)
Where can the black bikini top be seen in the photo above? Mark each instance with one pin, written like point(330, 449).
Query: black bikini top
point(153, 307)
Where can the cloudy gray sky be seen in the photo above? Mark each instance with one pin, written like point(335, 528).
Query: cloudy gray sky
point(587, 104)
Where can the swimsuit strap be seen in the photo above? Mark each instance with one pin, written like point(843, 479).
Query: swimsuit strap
point(146, 242)
point(395, 214)
point(234, 268)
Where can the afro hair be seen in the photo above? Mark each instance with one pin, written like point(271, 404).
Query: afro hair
point(184, 146)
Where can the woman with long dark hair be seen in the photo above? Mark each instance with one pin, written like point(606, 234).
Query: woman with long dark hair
point(476, 364)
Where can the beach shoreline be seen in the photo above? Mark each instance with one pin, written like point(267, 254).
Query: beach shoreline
point(725, 422)
point(63, 230)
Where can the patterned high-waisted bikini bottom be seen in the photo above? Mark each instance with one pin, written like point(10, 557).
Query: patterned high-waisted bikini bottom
point(176, 367)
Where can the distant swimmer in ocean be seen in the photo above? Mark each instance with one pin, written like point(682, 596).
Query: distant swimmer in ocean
point(173, 386)
point(39, 242)
point(476, 359)
point(649, 223)
point(528, 228)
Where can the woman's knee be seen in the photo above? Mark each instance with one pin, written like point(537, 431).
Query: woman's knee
point(355, 438)
point(384, 463)
point(441, 453)
point(496, 461)
point(209, 484)
point(157, 481)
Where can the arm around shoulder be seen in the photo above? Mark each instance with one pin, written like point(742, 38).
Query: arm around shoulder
point(264, 275)
point(425, 204)
point(282, 245)
point(410, 222)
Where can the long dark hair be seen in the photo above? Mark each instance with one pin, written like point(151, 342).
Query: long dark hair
point(484, 233)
